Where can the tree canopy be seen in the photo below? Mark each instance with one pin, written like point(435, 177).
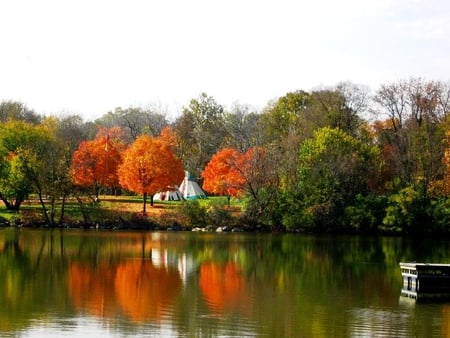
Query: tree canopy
point(95, 162)
point(149, 166)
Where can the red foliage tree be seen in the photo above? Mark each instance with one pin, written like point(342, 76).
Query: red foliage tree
point(149, 166)
point(95, 162)
point(221, 175)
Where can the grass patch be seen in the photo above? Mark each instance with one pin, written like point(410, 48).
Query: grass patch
point(113, 211)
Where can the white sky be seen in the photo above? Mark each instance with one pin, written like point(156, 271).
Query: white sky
point(89, 56)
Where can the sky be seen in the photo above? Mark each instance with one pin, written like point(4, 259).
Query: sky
point(87, 57)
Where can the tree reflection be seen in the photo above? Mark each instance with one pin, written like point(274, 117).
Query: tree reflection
point(92, 289)
point(223, 287)
point(144, 291)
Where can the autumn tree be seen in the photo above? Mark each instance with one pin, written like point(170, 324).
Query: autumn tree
point(221, 175)
point(259, 170)
point(416, 110)
point(169, 136)
point(251, 174)
point(148, 167)
point(95, 162)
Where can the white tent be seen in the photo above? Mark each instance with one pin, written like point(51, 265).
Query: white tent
point(190, 189)
point(169, 195)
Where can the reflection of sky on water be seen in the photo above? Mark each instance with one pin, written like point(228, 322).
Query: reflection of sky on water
point(378, 323)
point(90, 327)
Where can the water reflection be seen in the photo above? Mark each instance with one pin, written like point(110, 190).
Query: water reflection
point(91, 289)
point(144, 291)
point(183, 284)
point(223, 287)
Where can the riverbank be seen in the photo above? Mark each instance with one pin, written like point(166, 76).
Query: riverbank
point(126, 213)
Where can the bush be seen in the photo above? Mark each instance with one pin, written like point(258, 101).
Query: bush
point(193, 213)
point(366, 213)
point(440, 214)
point(407, 211)
point(218, 214)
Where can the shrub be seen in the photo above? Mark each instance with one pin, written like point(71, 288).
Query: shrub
point(440, 214)
point(218, 214)
point(194, 213)
point(406, 211)
point(365, 214)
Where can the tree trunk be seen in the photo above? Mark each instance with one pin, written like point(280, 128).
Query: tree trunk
point(15, 205)
point(144, 210)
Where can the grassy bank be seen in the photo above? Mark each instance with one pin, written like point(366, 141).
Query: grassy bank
point(113, 212)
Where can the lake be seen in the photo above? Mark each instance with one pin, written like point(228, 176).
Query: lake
point(56, 283)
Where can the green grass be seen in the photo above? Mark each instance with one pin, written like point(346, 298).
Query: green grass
point(108, 205)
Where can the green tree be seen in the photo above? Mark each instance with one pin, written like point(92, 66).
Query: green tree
point(334, 168)
point(13, 110)
point(201, 131)
point(286, 123)
point(44, 160)
point(286, 116)
point(407, 211)
point(16, 138)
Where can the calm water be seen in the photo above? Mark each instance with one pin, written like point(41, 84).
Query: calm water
point(84, 284)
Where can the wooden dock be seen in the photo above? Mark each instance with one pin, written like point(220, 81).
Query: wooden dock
point(423, 281)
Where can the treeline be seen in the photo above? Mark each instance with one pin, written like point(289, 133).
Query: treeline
point(337, 159)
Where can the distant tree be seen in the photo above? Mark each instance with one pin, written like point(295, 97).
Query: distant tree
point(201, 131)
point(330, 108)
point(417, 111)
point(148, 167)
point(95, 162)
point(73, 130)
point(243, 128)
point(286, 123)
point(286, 116)
point(18, 111)
point(134, 122)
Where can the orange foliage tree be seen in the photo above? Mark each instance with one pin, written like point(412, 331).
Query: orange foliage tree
point(168, 135)
point(149, 166)
point(253, 173)
point(95, 162)
point(221, 175)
